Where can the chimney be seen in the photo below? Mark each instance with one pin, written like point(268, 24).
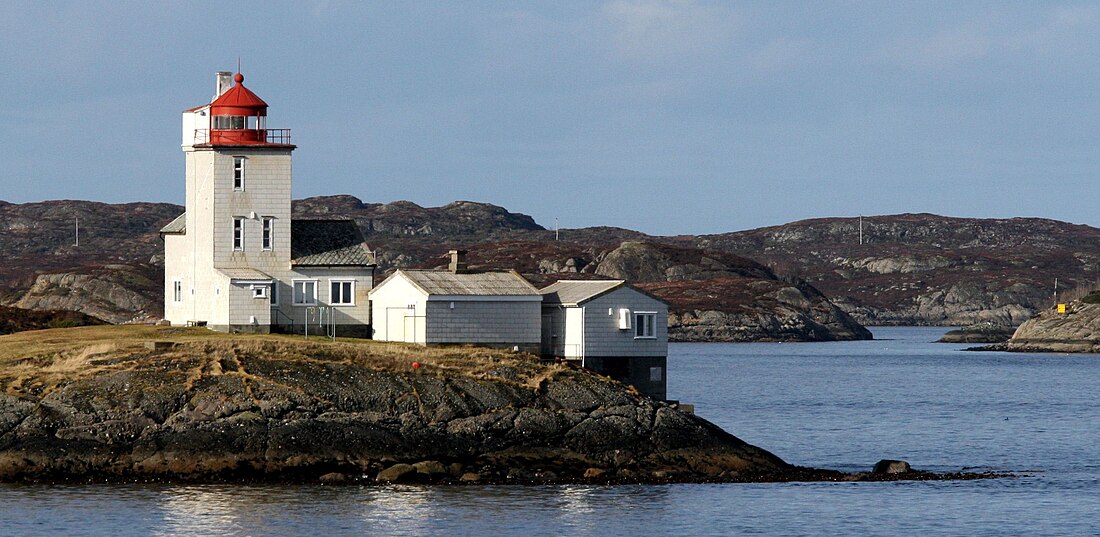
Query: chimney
point(458, 262)
point(224, 81)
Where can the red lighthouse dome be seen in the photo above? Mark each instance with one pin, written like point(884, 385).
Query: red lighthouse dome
point(239, 117)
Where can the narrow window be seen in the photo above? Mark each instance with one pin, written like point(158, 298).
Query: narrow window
point(274, 293)
point(238, 234)
point(177, 291)
point(269, 224)
point(238, 173)
point(305, 292)
point(644, 323)
point(342, 293)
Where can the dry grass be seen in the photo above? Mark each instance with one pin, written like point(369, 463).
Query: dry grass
point(41, 360)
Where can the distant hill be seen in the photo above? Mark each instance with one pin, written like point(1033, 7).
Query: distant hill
point(795, 281)
point(928, 269)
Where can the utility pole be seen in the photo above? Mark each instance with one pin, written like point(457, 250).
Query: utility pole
point(78, 231)
point(861, 230)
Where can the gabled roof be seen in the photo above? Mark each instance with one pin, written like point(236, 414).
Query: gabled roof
point(176, 227)
point(491, 283)
point(328, 243)
point(577, 292)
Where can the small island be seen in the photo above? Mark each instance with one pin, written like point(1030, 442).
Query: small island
point(144, 403)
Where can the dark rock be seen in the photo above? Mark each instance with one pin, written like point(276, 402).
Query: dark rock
point(333, 477)
point(887, 466)
point(395, 473)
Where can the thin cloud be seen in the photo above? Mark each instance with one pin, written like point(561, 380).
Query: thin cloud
point(940, 51)
point(659, 30)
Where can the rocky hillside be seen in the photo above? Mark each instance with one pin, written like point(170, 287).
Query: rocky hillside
point(98, 404)
point(927, 269)
point(910, 269)
point(714, 295)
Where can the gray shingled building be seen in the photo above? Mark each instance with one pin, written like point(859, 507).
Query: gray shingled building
point(609, 327)
point(457, 306)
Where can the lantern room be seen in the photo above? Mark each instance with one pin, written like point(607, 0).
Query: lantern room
point(236, 117)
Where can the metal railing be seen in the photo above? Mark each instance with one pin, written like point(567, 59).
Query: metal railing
point(270, 136)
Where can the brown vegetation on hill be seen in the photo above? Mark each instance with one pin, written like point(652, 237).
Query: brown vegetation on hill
point(19, 320)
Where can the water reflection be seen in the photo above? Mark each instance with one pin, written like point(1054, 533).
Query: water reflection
point(397, 510)
point(212, 510)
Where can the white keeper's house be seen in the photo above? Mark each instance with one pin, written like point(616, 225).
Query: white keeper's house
point(235, 261)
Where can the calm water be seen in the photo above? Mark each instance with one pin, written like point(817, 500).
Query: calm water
point(837, 405)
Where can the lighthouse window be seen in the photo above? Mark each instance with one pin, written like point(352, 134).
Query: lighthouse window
point(238, 234)
point(268, 224)
point(238, 173)
point(229, 122)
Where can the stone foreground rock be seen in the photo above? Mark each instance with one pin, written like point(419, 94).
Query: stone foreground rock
point(232, 410)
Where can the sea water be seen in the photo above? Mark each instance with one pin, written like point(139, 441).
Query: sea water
point(838, 405)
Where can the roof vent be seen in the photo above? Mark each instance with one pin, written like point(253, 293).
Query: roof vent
point(458, 262)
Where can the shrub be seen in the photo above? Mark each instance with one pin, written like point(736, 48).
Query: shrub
point(1092, 298)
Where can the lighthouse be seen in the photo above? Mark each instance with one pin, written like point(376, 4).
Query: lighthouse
point(235, 260)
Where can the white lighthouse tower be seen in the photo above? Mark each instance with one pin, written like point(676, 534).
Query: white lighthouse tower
point(235, 261)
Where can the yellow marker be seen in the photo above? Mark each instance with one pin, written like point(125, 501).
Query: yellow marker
point(1061, 308)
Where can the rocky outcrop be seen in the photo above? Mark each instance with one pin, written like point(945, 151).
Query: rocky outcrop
point(112, 295)
point(249, 409)
point(720, 297)
point(979, 333)
point(1076, 330)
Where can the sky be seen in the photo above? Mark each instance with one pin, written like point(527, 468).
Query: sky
point(668, 117)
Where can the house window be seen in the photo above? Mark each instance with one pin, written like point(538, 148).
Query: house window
point(259, 291)
point(656, 373)
point(238, 173)
point(274, 293)
point(305, 292)
point(644, 324)
point(238, 234)
point(342, 293)
point(177, 291)
point(269, 224)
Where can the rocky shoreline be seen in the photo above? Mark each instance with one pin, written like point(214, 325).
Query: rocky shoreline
point(204, 408)
point(1076, 330)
